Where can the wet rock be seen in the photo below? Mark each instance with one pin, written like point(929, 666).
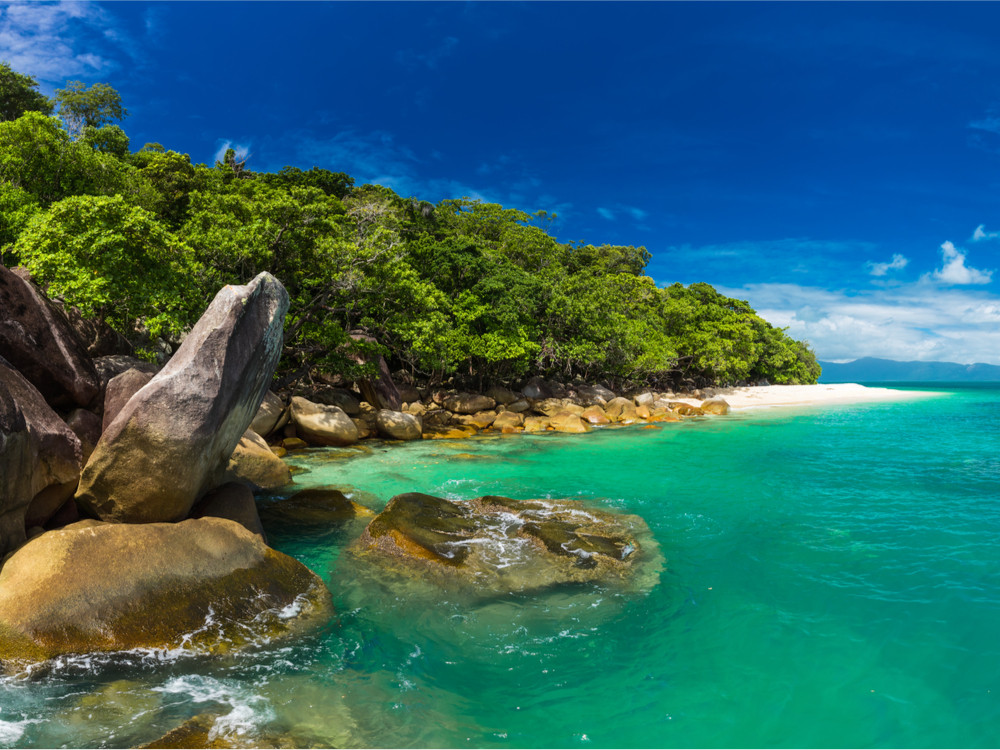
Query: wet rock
point(480, 420)
point(233, 501)
point(621, 410)
point(271, 416)
point(172, 441)
point(449, 432)
point(568, 422)
point(685, 410)
point(120, 389)
point(716, 405)
point(322, 425)
point(38, 340)
point(319, 506)
point(508, 421)
point(496, 545)
point(398, 425)
point(595, 415)
point(468, 403)
point(206, 583)
point(536, 424)
point(254, 463)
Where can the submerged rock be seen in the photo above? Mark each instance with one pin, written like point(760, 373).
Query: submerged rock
point(205, 584)
point(496, 545)
point(318, 506)
point(172, 441)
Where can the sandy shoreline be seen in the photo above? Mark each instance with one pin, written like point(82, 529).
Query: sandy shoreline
point(810, 395)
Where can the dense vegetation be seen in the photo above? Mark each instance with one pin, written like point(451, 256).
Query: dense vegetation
point(141, 240)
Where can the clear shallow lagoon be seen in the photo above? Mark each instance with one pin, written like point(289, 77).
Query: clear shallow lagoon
point(832, 579)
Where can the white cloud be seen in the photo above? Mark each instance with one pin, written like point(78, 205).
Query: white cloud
point(916, 321)
point(606, 213)
point(897, 263)
point(51, 41)
point(981, 234)
point(955, 272)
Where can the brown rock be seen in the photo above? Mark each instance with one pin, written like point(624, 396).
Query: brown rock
point(595, 415)
point(40, 458)
point(254, 464)
point(642, 411)
point(38, 341)
point(379, 391)
point(502, 395)
point(536, 424)
point(208, 583)
point(715, 406)
point(271, 416)
point(87, 427)
point(621, 410)
point(568, 422)
point(468, 403)
point(322, 425)
point(508, 421)
point(172, 441)
point(480, 420)
point(234, 501)
point(120, 389)
point(398, 425)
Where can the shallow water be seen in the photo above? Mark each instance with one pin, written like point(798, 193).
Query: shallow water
point(832, 579)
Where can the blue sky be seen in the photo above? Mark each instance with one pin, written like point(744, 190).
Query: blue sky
point(836, 164)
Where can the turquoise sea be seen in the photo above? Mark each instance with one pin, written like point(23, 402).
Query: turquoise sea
point(832, 579)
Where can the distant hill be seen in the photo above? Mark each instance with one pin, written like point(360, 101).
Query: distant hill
point(868, 369)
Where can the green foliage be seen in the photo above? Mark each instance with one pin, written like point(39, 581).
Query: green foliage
point(337, 184)
point(37, 155)
point(19, 94)
point(462, 288)
point(17, 206)
point(114, 262)
point(81, 107)
point(108, 139)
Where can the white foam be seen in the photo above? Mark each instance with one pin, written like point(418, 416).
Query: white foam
point(12, 731)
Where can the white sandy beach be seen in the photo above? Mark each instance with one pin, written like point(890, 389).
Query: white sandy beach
point(810, 395)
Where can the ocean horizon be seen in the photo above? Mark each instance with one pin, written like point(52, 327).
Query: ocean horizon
point(830, 579)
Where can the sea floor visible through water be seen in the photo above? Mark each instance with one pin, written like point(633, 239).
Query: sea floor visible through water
point(831, 579)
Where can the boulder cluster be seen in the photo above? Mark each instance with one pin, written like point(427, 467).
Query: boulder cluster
point(326, 415)
point(127, 517)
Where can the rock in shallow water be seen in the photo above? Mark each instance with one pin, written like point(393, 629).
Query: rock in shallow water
point(496, 545)
point(205, 584)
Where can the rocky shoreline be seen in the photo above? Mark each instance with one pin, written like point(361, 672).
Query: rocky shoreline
point(127, 510)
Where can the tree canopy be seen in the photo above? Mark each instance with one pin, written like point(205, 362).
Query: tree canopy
point(461, 288)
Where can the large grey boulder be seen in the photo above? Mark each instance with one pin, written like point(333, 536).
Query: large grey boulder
point(208, 584)
point(37, 339)
point(172, 441)
point(321, 424)
point(40, 458)
point(398, 425)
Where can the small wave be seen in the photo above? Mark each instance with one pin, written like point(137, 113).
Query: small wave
point(12, 731)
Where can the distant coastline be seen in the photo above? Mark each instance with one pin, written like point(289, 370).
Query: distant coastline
point(875, 370)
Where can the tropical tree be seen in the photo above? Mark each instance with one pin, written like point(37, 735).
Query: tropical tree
point(19, 94)
point(81, 107)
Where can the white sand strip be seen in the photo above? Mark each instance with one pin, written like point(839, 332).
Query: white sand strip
point(810, 395)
